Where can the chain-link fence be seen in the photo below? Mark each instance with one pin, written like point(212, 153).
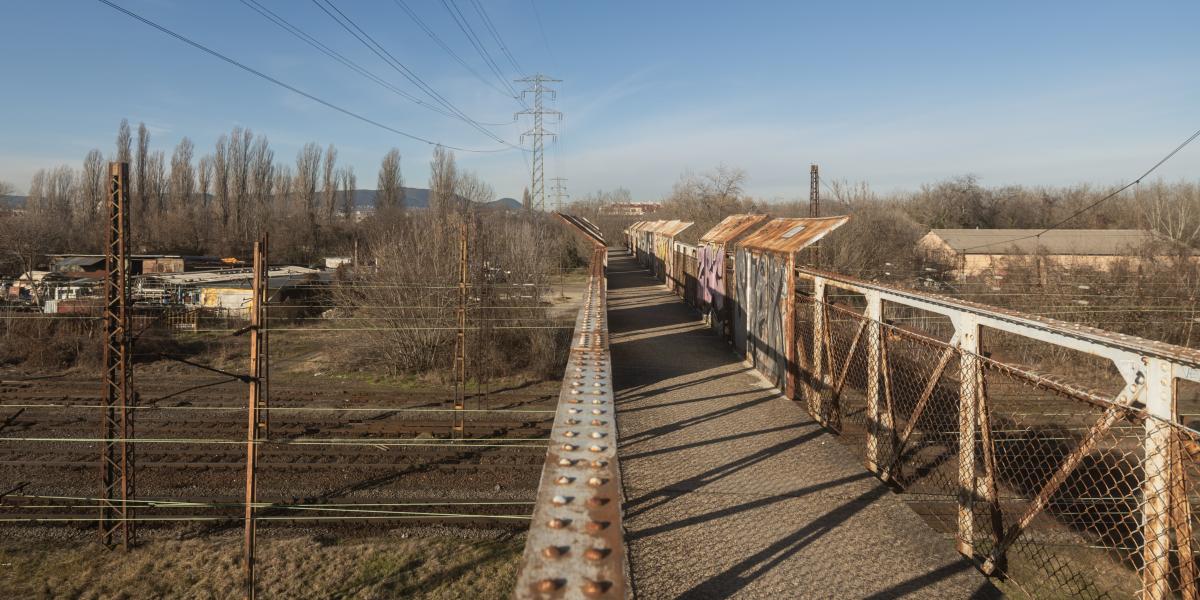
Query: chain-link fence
point(1047, 464)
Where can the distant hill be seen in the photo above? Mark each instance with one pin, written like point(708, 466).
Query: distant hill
point(505, 204)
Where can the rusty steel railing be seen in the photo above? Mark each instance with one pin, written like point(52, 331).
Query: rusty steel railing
point(575, 547)
point(1064, 460)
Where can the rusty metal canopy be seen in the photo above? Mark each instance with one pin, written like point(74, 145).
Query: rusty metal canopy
point(791, 235)
point(731, 227)
point(673, 228)
point(584, 226)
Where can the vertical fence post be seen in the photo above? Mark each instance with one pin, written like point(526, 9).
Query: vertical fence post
point(968, 345)
point(789, 328)
point(818, 351)
point(1156, 495)
point(878, 423)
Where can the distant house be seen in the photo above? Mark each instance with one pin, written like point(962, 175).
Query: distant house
point(630, 208)
point(976, 251)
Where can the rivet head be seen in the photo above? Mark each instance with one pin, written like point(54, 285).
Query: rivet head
point(595, 526)
point(597, 411)
point(560, 500)
point(595, 481)
point(599, 464)
point(597, 423)
point(573, 411)
point(595, 553)
point(596, 448)
point(596, 502)
point(548, 585)
point(597, 435)
point(565, 462)
point(594, 589)
point(563, 480)
point(569, 434)
point(569, 447)
point(553, 552)
point(557, 523)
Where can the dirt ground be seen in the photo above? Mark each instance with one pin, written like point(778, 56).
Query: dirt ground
point(394, 565)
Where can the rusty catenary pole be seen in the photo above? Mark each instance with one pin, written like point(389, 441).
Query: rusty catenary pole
point(116, 456)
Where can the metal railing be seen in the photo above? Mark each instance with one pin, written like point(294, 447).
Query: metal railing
point(1056, 455)
point(575, 547)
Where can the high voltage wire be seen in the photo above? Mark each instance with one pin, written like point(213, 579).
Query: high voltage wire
point(491, 27)
point(292, 88)
point(335, 55)
point(465, 26)
point(511, 93)
point(1158, 164)
point(375, 47)
point(541, 29)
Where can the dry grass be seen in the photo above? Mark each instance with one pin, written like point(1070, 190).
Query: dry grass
point(394, 567)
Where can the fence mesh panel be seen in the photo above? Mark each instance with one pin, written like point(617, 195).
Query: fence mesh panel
point(1054, 484)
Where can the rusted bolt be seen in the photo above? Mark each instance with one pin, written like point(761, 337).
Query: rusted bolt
point(573, 411)
point(549, 585)
point(563, 480)
point(594, 589)
point(569, 434)
point(596, 501)
point(565, 462)
point(572, 421)
point(597, 435)
point(553, 552)
point(599, 464)
point(594, 527)
point(597, 423)
point(557, 523)
point(595, 553)
point(595, 482)
point(560, 500)
point(595, 448)
point(569, 447)
point(597, 411)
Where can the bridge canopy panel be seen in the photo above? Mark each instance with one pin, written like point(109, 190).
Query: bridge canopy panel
point(791, 235)
point(731, 228)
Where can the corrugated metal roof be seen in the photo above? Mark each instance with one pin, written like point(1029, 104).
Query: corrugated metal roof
point(641, 226)
point(79, 261)
point(731, 227)
point(673, 228)
point(791, 235)
point(1103, 242)
point(202, 278)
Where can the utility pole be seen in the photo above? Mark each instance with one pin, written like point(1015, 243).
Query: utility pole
point(459, 425)
point(814, 207)
point(536, 85)
point(560, 192)
point(116, 454)
point(256, 416)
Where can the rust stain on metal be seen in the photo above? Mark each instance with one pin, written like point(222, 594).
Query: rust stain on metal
point(731, 227)
point(791, 235)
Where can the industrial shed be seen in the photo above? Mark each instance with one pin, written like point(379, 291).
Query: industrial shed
point(973, 252)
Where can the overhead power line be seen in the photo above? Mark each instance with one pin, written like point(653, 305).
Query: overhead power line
point(374, 46)
point(442, 44)
point(491, 27)
point(1158, 164)
point(305, 37)
point(290, 87)
point(465, 26)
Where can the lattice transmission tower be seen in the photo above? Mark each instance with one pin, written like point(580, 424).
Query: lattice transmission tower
point(560, 192)
point(536, 85)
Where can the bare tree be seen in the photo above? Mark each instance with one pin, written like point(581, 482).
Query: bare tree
point(204, 174)
point(262, 182)
point(389, 193)
point(92, 185)
point(308, 173)
point(329, 184)
point(473, 189)
point(220, 165)
point(123, 141)
point(183, 176)
point(140, 197)
point(349, 183)
point(443, 177)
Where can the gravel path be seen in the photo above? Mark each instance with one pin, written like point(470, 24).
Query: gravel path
point(732, 491)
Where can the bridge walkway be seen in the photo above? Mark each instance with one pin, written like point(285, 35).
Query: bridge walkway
point(731, 490)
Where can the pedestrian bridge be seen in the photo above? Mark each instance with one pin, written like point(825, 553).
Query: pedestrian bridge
point(850, 440)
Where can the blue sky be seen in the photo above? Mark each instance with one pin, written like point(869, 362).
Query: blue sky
point(892, 93)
